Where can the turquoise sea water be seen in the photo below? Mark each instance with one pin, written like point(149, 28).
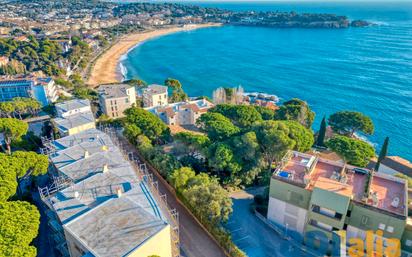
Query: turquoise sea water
point(363, 69)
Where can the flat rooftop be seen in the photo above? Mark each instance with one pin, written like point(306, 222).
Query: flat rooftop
point(74, 121)
point(155, 89)
point(116, 227)
point(113, 90)
point(107, 207)
point(73, 104)
point(90, 135)
point(309, 171)
point(200, 106)
point(390, 192)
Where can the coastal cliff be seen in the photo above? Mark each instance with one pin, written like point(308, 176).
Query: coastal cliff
point(294, 20)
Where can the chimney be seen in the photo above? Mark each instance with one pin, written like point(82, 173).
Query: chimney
point(76, 194)
point(86, 154)
point(119, 192)
point(105, 168)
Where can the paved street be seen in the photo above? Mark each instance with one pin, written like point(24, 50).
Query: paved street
point(252, 235)
point(195, 242)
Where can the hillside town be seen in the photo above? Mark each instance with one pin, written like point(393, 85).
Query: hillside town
point(130, 168)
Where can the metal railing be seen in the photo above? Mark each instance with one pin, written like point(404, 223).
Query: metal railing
point(59, 183)
point(150, 182)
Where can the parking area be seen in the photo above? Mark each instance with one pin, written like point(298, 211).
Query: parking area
point(252, 235)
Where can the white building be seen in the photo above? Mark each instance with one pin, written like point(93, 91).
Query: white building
point(71, 107)
point(99, 206)
point(45, 91)
point(181, 113)
point(155, 95)
point(74, 116)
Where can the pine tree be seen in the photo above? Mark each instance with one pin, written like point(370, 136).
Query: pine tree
point(322, 132)
point(382, 153)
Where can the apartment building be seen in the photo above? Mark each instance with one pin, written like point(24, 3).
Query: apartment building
point(155, 95)
point(309, 194)
point(43, 90)
point(114, 99)
point(74, 116)
point(97, 204)
point(181, 113)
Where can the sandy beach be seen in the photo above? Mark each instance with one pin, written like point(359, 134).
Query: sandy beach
point(106, 70)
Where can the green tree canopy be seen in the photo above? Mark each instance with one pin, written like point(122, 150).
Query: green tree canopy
point(274, 140)
point(19, 106)
point(240, 115)
point(266, 113)
point(348, 122)
point(136, 82)
point(302, 136)
point(217, 126)
point(223, 161)
point(246, 147)
point(320, 140)
point(194, 142)
point(382, 153)
point(18, 165)
point(19, 226)
point(354, 151)
point(296, 110)
point(208, 198)
point(178, 95)
point(12, 130)
point(140, 121)
point(180, 177)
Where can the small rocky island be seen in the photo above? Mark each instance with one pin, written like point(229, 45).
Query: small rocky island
point(294, 20)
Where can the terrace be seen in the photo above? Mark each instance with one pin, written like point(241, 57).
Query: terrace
point(386, 192)
point(295, 167)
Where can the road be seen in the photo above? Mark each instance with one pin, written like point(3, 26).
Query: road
point(252, 235)
point(195, 241)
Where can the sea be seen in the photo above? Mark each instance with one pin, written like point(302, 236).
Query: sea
point(361, 69)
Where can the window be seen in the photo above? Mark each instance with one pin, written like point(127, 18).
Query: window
point(364, 220)
point(381, 226)
point(127, 100)
point(322, 225)
point(326, 212)
point(389, 229)
point(408, 243)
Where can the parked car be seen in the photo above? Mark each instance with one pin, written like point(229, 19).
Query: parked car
point(361, 171)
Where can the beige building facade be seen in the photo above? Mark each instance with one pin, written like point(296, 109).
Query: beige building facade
point(114, 99)
point(74, 116)
point(155, 95)
point(181, 113)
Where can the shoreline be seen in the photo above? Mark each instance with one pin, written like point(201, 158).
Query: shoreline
point(107, 68)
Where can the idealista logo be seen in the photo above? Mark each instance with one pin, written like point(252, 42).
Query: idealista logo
point(373, 245)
